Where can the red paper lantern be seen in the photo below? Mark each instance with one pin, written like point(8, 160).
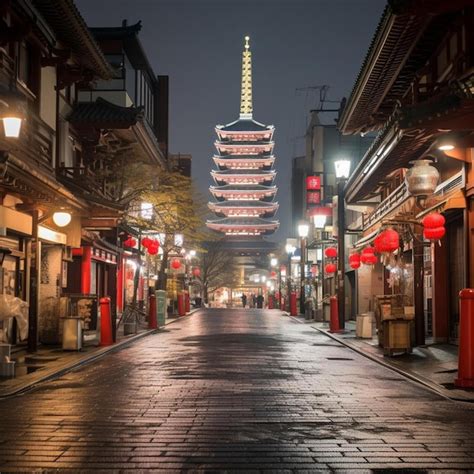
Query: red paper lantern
point(330, 268)
point(367, 257)
point(387, 241)
point(273, 274)
point(146, 242)
point(130, 242)
point(153, 249)
point(354, 260)
point(331, 252)
point(175, 264)
point(433, 220)
point(435, 233)
point(197, 272)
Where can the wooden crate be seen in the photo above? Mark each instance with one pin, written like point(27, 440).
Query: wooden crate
point(396, 336)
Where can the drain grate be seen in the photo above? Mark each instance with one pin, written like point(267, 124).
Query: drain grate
point(338, 358)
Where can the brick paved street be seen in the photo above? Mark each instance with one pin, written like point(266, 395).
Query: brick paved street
point(234, 389)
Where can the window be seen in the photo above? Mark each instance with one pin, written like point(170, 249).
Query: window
point(28, 67)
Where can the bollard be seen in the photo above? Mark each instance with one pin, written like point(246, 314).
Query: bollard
point(105, 322)
point(187, 305)
point(181, 304)
point(152, 322)
point(293, 309)
point(466, 339)
point(334, 319)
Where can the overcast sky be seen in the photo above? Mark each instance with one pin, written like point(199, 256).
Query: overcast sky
point(295, 44)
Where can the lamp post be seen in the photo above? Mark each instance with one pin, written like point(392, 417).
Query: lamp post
point(303, 230)
point(343, 168)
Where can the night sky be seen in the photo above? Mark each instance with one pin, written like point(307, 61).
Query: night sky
point(294, 43)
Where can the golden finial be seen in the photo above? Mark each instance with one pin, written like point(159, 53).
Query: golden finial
point(246, 107)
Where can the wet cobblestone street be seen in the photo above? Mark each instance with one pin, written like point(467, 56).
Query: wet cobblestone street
point(228, 390)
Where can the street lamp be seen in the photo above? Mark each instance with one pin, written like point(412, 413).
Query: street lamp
point(303, 230)
point(320, 221)
point(343, 168)
point(274, 262)
point(62, 218)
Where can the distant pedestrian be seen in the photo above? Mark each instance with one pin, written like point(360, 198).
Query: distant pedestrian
point(254, 301)
point(260, 301)
point(244, 300)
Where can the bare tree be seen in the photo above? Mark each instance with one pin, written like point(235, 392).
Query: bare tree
point(218, 269)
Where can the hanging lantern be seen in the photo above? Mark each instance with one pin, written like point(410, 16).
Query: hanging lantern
point(197, 272)
point(175, 264)
point(367, 256)
point(273, 274)
point(421, 180)
point(146, 242)
point(330, 268)
point(434, 233)
point(152, 250)
point(388, 241)
point(130, 242)
point(331, 252)
point(354, 261)
point(433, 220)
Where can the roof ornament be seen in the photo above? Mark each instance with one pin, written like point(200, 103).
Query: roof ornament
point(246, 107)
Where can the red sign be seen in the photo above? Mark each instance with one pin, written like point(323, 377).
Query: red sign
point(313, 197)
point(320, 211)
point(313, 183)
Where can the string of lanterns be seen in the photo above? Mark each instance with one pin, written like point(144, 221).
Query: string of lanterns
point(331, 253)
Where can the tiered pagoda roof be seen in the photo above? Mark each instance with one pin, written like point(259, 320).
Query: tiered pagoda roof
point(244, 189)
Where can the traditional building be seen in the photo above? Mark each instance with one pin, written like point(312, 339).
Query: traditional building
point(244, 191)
point(415, 89)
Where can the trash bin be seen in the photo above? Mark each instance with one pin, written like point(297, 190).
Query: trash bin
point(72, 334)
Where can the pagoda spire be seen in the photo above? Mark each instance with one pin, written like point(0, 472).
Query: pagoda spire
point(246, 106)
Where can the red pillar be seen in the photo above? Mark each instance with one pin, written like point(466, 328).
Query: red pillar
point(106, 338)
point(86, 266)
point(152, 323)
point(334, 320)
point(466, 339)
point(293, 308)
point(181, 304)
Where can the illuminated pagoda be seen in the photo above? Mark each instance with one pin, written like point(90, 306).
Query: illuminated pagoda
point(244, 191)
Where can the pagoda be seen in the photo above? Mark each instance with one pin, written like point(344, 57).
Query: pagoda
point(244, 191)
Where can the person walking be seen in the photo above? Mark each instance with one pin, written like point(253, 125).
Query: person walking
point(244, 300)
point(260, 301)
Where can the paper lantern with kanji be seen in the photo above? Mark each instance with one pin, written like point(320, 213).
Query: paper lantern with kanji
point(331, 252)
point(433, 220)
point(434, 233)
point(354, 261)
point(175, 264)
point(330, 268)
point(197, 272)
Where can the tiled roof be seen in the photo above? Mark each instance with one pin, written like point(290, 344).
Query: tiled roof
point(71, 29)
point(245, 171)
point(245, 125)
point(104, 114)
point(245, 204)
point(244, 221)
point(243, 187)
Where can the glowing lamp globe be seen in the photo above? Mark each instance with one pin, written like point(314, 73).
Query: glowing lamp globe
point(330, 268)
point(433, 220)
point(175, 264)
point(331, 252)
point(434, 233)
point(61, 219)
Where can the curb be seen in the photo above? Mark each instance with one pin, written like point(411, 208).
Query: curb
point(409, 375)
point(26, 387)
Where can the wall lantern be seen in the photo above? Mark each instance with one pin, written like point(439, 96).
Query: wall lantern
point(421, 179)
point(343, 168)
point(274, 262)
point(12, 126)
point(303, 230)
point(62, 218)
point(3, 253)
point(319, 221)
point(12, 114)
